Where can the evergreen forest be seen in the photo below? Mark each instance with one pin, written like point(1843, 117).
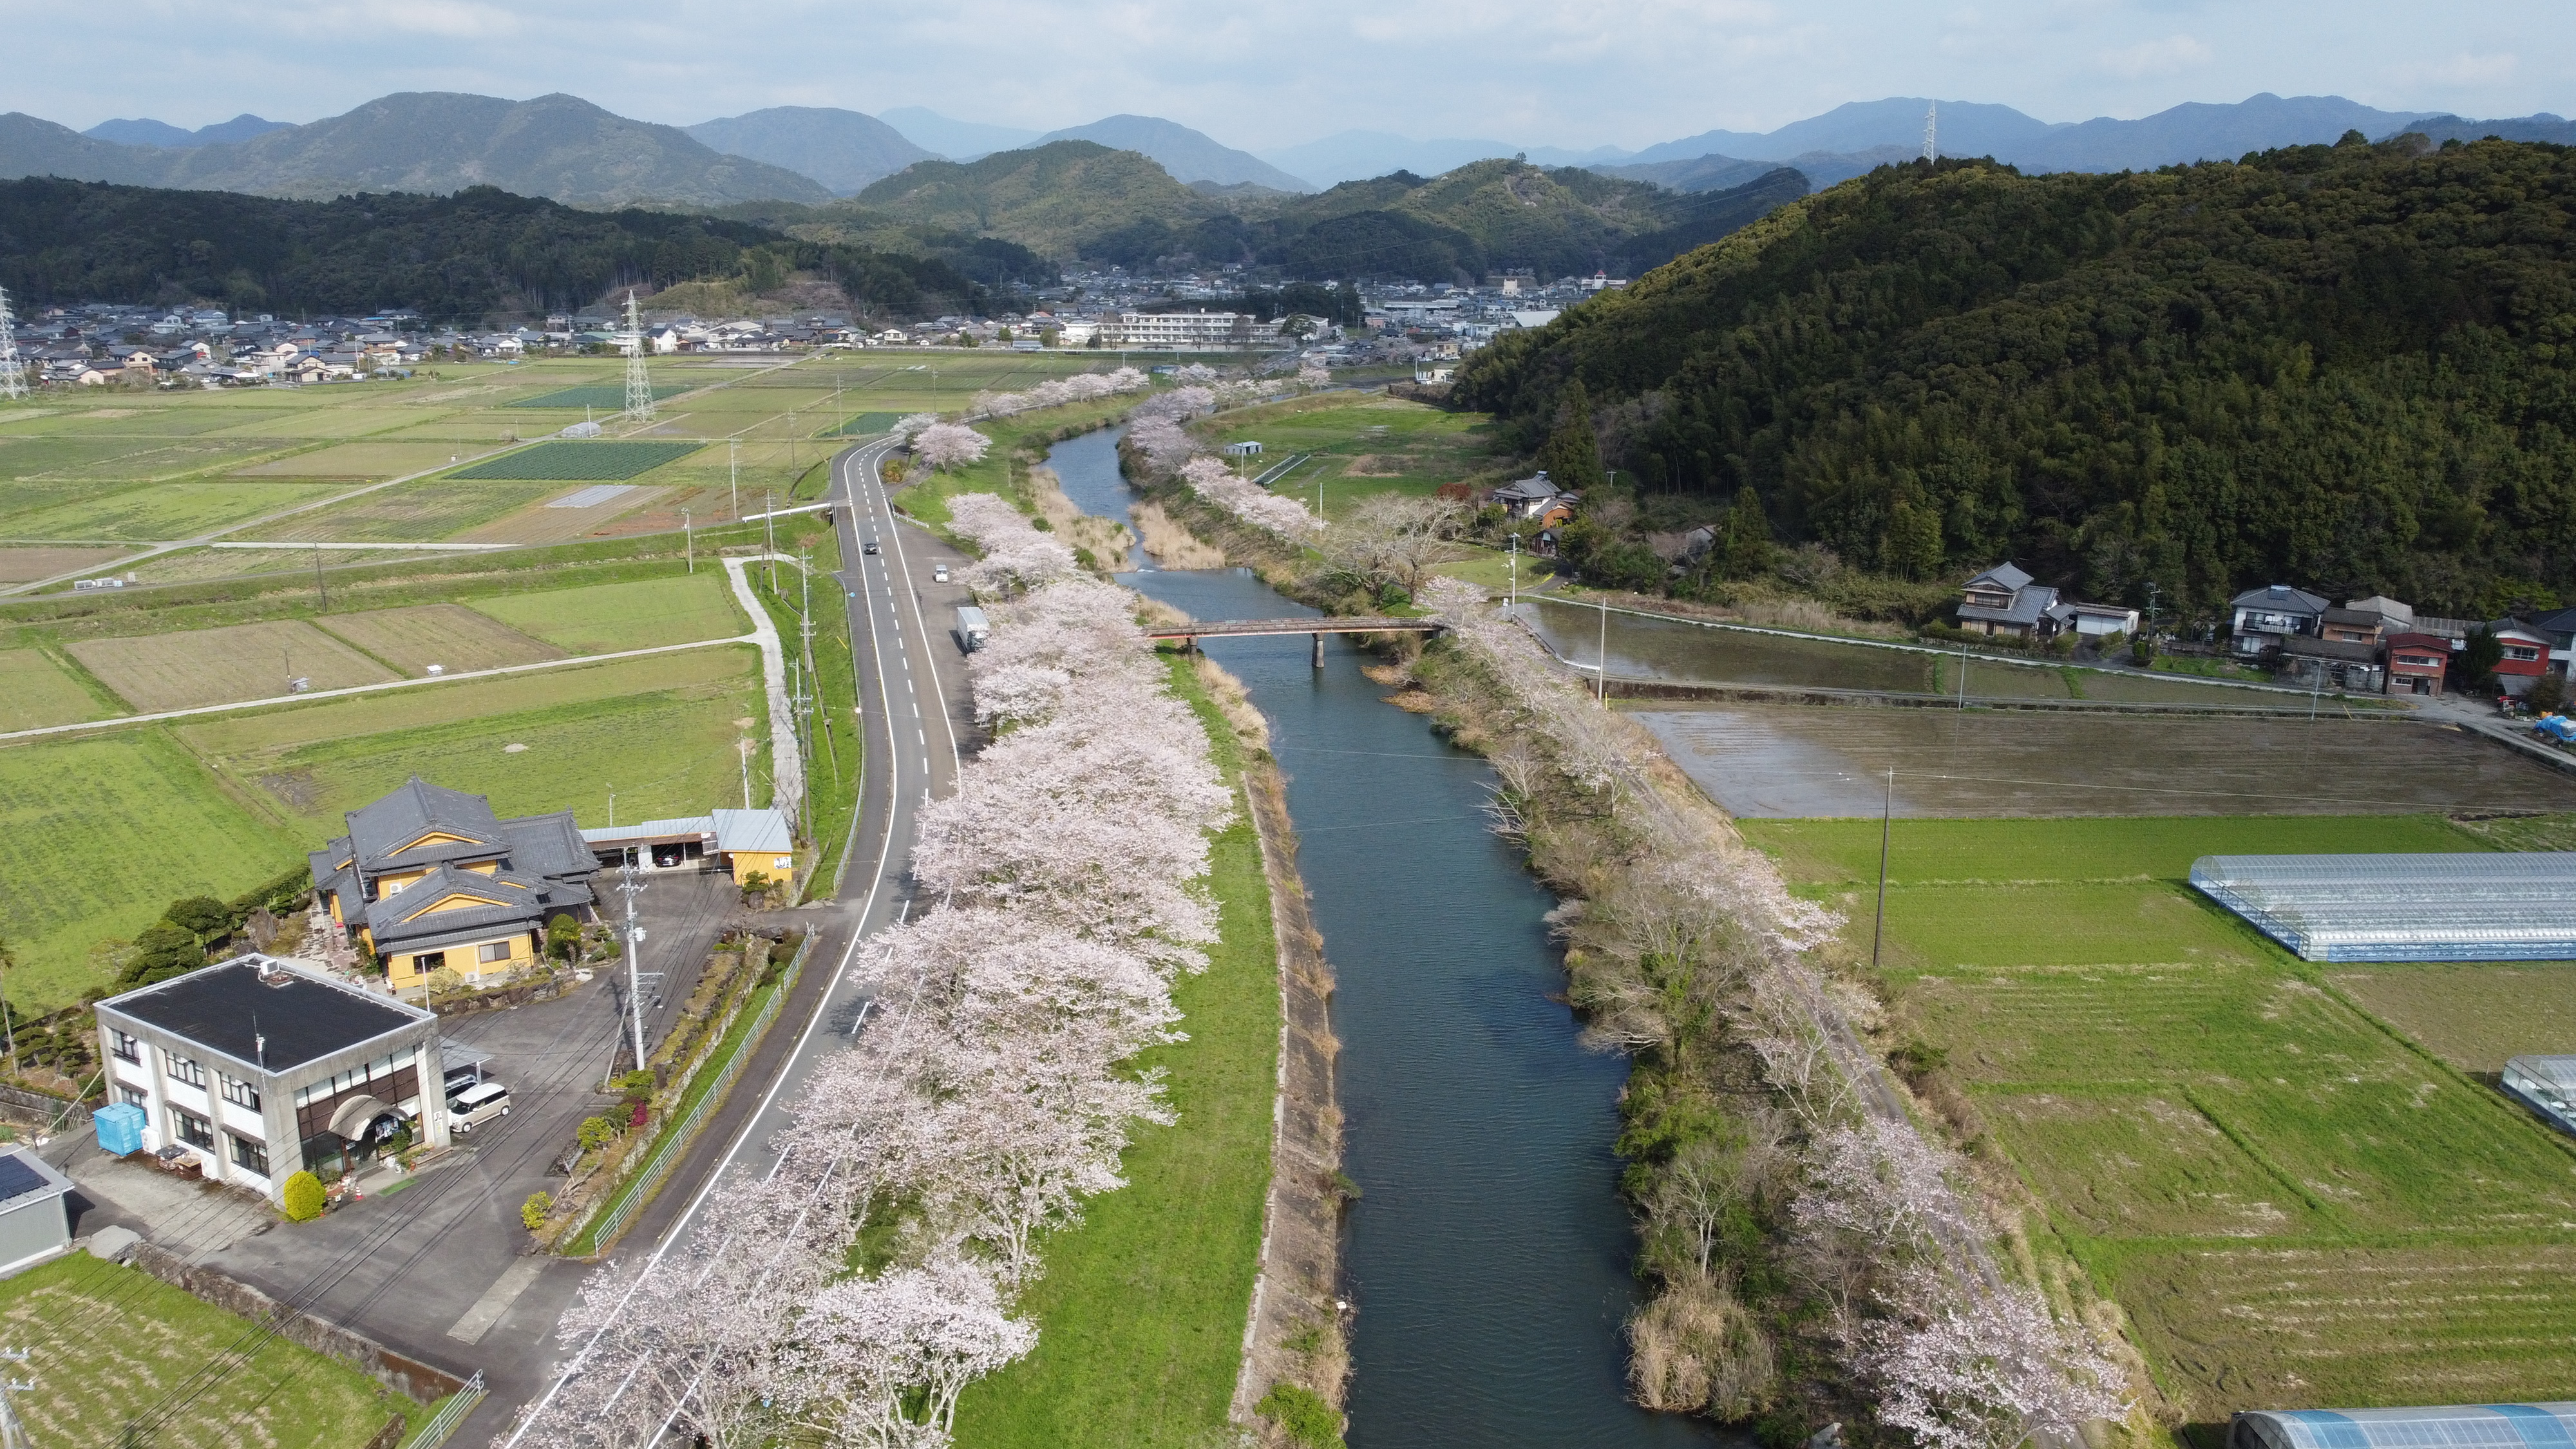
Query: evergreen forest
point(2350, 367)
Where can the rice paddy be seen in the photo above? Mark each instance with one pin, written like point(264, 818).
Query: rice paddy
point(2283, 1177)
point(451, 637)
point(577, 458)
point(154, 672)
point(601, 618)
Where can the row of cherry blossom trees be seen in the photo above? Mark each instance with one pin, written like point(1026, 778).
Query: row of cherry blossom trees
point(1716, 955)
point(1057, 391)
point(1160, 445)
point(849, 1296)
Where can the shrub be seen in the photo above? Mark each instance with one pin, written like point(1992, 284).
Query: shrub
point(1303, 1414)
point(597, 1132)
point(563, 937)
point(637, 1086)
point(533, 1212)
point(203, 917)
point(162, 951)
point(303, 1197)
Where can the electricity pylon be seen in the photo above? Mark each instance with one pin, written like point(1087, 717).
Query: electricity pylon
point(639, 382)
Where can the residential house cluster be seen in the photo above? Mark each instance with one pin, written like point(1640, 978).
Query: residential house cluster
point(2383, 645)
point(2004, 602)
point(98, 344)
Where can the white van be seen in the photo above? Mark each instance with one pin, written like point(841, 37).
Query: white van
point(477, 1105)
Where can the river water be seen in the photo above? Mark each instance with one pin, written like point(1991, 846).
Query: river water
point(1488, 1257)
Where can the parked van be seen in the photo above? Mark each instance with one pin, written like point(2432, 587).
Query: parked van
point(476, 1105)
point(973, 628)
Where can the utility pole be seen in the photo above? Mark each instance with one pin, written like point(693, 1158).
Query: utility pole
point(1886, 811)
point(1516, 572)
point(689, 540)
point(769, 534)
point(13, 1434)
point(2152, 601)
point(1603, 674)
point(634, 972)
point(733, 473)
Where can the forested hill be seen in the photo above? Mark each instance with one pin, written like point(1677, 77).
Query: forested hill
point(2351, 368)
point(451, 258)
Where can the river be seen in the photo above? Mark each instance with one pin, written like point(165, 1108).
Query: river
point(1488, 1257)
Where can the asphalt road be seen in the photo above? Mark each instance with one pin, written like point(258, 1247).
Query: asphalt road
point(916, 714)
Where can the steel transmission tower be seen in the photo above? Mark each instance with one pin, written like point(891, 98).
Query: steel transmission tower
point(1931, 136)
point(13, 372)
point(639, 381)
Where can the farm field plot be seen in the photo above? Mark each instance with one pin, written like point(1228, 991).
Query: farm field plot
point(867, 425)
point(450, 635)
point(2524, 832)
point(110, 1341)
point(361, 460)
point(346, 420)
point(1363, 445)
point(26, 565)
point(2474, 1017)
point(161, 511)
point(581, 459)
point(35, 692)
point(1788, 761)
point(601, 618)
point(194, 667)
point(194, 564)
point(28, 459)
point(667, 748)
point(2252, 1164)
point(147, 825)
point(426, 510)
point(543, 522)
point(607, 397)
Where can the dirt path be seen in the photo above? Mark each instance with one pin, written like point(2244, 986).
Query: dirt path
point(786, 765)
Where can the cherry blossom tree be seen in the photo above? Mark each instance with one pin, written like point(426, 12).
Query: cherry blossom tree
point(1258, 506)
point(1312, 374)
point(950, 446)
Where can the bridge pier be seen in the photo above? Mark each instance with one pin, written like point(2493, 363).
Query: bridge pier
point(1319, 651)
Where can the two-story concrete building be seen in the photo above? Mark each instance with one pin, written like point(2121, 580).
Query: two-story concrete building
point(257, 1067)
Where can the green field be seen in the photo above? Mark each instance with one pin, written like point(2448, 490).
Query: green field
point(1141, 1311)
point(600, 618)
point(867, 425)
point(660, 731)
point(128, 823)
point(107, 1344)
point(607, 397)
point(589, 460)
point(35, 691)
point(2235, 1148)
point(163, 511)
point(1361, 444)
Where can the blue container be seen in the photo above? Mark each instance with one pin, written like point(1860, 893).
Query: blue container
point(120, 1128)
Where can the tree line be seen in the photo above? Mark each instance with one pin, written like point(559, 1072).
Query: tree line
point(458, 258)
point(2349, 367)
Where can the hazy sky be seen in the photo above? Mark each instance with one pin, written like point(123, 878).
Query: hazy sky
point(1264, 73)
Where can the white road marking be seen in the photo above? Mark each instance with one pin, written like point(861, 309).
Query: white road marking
point(496, 1300)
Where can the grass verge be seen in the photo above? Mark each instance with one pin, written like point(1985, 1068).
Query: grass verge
point(1141, 1312)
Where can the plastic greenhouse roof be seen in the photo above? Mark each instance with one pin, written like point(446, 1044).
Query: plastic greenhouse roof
point(2497, 906)
point(2466, 1426)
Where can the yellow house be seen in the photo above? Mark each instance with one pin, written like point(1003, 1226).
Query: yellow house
point(756, 840)
point(430, 879)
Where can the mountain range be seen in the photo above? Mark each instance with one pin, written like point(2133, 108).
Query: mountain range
point(557, 146)
point(163, 134)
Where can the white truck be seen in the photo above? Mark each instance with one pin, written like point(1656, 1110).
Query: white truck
point(972, 628)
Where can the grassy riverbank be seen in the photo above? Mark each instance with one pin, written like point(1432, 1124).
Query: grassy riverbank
point(1141, 1310)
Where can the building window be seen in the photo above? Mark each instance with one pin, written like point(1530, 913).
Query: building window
point(183, 1069)
point(194, 1130)
point(127, 1049)
point(428, 961)
point(2520, 651)
point(249, 1154)
point(133, 1096)
point(241, 1094)
point(491, 951)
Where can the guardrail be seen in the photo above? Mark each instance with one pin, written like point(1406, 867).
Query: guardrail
point(449, 1415)
point(667, 1157)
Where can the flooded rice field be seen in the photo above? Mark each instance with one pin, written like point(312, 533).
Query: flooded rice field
point(1683, 651)
point(1784, 761)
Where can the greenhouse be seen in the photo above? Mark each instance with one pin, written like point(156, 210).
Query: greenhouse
point(2485, 907)
point(2548, 1085)
point(2464, 1426)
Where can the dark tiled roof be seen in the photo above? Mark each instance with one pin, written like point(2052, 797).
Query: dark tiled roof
point(2003, 576)
point(382, 830)
point(549, 845)
point(302, 1016)
point(518, 901)
point(2280, 599)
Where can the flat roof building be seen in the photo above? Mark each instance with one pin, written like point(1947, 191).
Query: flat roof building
point(35, 1220)
point(2470, 907)
point(257, 1067)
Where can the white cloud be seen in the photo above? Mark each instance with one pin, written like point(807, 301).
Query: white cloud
point(2169, 56)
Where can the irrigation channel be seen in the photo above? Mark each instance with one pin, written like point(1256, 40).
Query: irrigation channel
point(1488, 1258)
